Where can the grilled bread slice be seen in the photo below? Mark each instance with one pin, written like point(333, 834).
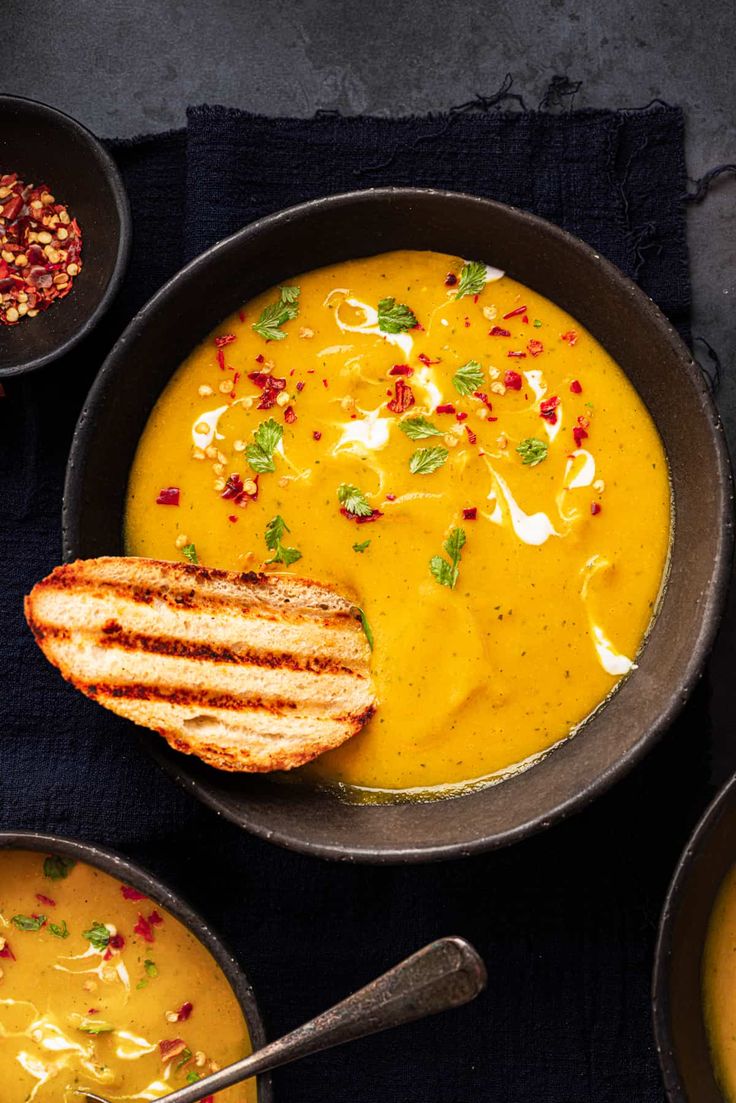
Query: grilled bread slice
point(251, 672)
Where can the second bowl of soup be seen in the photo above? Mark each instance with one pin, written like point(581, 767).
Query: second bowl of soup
point(482, 446)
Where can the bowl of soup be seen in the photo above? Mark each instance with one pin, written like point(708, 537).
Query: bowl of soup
point(479, 429)
point(110, 982)
point(694, 989)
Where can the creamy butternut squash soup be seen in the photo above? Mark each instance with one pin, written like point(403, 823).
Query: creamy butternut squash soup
point(103, 990)
point(719, 985)
point(461, 457)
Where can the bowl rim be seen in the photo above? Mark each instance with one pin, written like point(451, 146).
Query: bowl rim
point(660, 988)
point(118, 866)
point(125, 231)
point(714, 601)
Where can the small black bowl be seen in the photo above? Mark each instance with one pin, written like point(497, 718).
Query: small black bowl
point(123, 870)
point(677, 990)
point(634, 332)
point(45, 146)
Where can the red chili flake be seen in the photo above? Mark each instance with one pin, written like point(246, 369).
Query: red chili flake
point(325, 383)
point(475, 298)
point(316, 435)
point(209, 1099)
point(390, 497)
point(93, 1010)
point(548, 409)
point(470, 514)
point(579, 435)
point(570, 336)
point(419, 327)
point(484, 399)
point(515, 313)
point(155, 919)
point(107, 954)
point(171, 1047)
point(117, 942)
point(169, 496)
point(401, 369)
point(45, 900)
point(576, 387)
point(129, 893)
point(5, 950)
point(497, 331)
point(361, 520)
point(467, 322)
point(595, 508)
point(445, 408)
point(471, 435)
point(403, 398)
point(225, 339)
point(516, 355)
point(270, 387)
point(221, 359)
point(450, 279)
point(241, 315)
point(289, 415)
point(300, 385)
point(525, 319)
point(512, 380)
point(144, 929)
point(236, 377)
point(260, 359)
point(232, 518)
point(184, 1012)
point(536, 348)
point(462, 416)
point(426, 360)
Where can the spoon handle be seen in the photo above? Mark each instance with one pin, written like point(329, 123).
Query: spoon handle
point(446, 973)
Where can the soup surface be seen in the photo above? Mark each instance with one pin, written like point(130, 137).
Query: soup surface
point(457, 454)
point(719, 984)
point(103, 990)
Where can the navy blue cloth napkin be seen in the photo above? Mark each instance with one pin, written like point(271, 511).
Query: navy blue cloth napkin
point(566, 921)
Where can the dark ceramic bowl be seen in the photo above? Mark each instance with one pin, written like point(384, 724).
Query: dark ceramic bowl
point(123, 870)
point(44, 146)
point(679, 1024)
point(637, 336)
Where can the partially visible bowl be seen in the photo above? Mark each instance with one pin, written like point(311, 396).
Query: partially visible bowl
point(677, 994)
point(130, 874)
point(45, 146)
point(633, 331)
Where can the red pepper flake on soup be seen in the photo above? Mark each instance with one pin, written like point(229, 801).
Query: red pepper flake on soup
point(548, 409)
point(270, 387)
point(426, 360)
point(401, 369)
point(512, 380)
point(144, 929)
point(129, 893)
point(169, 496)
point(289, 415)
point(171, 1048)
point(5, 950)
point(403, 398)
point(445, 408)
point(470, 514)
point(46, 900)
point(516, 355)
point(450, 279)
point(497, 331)
point(595, 508)
point(515, 313)
point(184, 1012)
point(570, 336)
point(536, 348)
point(576, 387)
point(40, 249)
point(224, 339)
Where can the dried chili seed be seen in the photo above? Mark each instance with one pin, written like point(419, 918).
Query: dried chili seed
point(40, 247)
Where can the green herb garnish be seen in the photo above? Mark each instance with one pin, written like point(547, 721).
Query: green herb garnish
point(193, 1077)
point(190, 553)
point(186, 1055)
point(266, 437)
point(150, 967)
point(418, 428)
point(98, 935)
point(275, 529)
point(276, 314)
point(468, 378)
point(426, 460)
point(353, 500)
point(57, 867)
point(532, 451)
point(447, 573)
point(366, 627)
point(59, 931)
point(361, 547)
point(536, 323)
point(91, 1026)
point(28, 922)
point(472, 279)
point(395, 317)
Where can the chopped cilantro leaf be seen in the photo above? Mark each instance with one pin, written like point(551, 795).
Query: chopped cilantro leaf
point(468, 378)
point(266, 437)
point(366, 627)
point(361, 547)
point(532, 451)
point(28, 922)
point(353, 500)
point(426, 460)
point(447, 573)
point(59, 930)
point(276, 314)
point(186, 1055)
point(193, 1077)
point(395, 317)
point(57, 867)
point(91, 1026)
point(150, 967)
point(418, 428)
point(472, 279)
point(190, 553)
point(275, 529)
point(536, 323)
point(98, 936)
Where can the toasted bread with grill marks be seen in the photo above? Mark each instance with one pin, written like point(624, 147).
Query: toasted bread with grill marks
point(250, 672)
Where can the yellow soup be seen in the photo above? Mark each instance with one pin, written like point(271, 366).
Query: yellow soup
point(719, 985)
point(105, 991)
point(472, 468)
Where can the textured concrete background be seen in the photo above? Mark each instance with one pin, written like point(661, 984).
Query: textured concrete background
point(130, 67)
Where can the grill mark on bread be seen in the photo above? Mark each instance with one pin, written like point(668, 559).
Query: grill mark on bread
point(196, 698)
point(113, 635)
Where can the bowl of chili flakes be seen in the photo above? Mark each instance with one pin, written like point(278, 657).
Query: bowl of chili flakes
point(65, 215)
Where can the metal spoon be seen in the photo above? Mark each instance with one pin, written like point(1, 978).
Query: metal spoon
point(446, 973)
